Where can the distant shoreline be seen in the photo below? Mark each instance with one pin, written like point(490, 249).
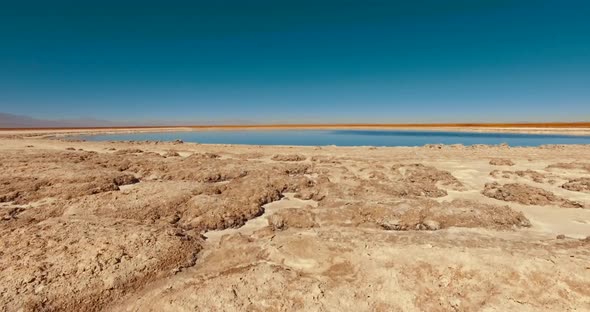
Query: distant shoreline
point(558, 125)
point(571, 128)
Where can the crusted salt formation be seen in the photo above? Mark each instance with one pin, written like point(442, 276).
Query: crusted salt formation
point(409, 215)
point(80, 265)
point(88, 231)
point(290, 157)
point(301, 218)
point(578, 185)
point(501, 162)
point(529, 174)
point(526, 195)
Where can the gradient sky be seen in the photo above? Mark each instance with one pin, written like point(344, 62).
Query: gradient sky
point(297, 61)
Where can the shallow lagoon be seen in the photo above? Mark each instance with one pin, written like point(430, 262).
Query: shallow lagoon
point(345, 137)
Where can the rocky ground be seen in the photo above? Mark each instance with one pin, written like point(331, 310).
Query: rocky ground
point(152, 226)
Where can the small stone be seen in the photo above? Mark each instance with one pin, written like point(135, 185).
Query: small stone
point(501, 162)
point(276, 222)
point(560, 236)
point(455, 303)
point(171, 154)
point(174, 219)
point(391, 225)
point(109, 282)
point(431, 225)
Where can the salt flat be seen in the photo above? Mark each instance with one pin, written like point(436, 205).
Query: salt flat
point(163, 226)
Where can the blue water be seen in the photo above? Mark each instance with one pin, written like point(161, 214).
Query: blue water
point(345, 137)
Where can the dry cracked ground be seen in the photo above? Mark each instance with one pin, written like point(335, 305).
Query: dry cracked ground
point(153, 226)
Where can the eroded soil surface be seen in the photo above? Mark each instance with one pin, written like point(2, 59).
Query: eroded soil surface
point(152, 226)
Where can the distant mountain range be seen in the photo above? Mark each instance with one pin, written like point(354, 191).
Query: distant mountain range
point(20, 121)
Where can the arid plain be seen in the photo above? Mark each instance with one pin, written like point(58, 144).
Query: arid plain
point(173, 226)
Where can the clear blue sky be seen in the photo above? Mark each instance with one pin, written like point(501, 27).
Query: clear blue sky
point(297, 61)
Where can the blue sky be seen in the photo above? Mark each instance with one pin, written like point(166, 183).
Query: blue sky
point(297, 61)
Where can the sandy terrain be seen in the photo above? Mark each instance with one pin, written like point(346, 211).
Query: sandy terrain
point(152, 226)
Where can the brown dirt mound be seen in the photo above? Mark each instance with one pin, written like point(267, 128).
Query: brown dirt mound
point(322, 187)
point(424, 215)
point(500, 174)
point(239, 200)
point(578, 185)
point(402, 181)
point(412, 180)
point(207, 174)
point(532, 175)
point(23, 190)
point(501, 162)
point(526, 195)
point(11, 213)
point(198, 156)
point(125, 179)
point(325, 159)
point(128, 151)
point(301, 218)
point(171, 154)
point(94, 261)
point(63, 175)
point(151, 202)
point(290, 157)
point(203, 168)
point(202, 206)
point(421, 174)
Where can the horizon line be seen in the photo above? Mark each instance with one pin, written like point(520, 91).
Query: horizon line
point(582, 124)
